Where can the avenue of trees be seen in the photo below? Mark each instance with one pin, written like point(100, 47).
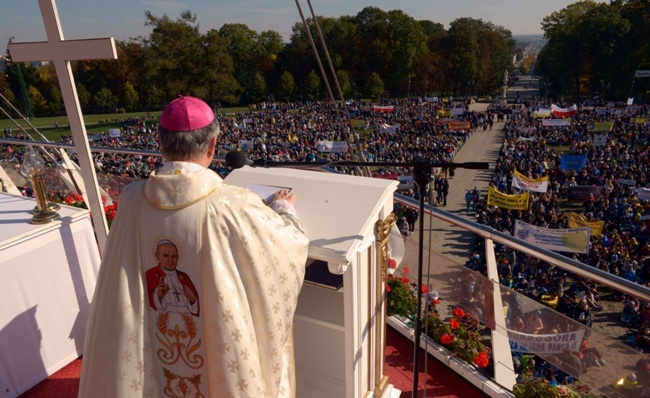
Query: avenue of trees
point(593, 49)
point(375, 53)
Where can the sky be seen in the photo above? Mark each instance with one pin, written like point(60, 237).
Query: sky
point(124, 19)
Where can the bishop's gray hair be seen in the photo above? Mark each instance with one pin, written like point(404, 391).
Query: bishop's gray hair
point(187, 145)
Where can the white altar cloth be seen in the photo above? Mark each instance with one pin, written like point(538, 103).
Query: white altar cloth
point(48, 279)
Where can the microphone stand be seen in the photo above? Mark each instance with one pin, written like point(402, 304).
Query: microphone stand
point(421, 177)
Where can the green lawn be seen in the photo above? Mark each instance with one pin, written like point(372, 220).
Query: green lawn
point(46, 124)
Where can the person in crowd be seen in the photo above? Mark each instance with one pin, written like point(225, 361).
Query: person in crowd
point(246, 260)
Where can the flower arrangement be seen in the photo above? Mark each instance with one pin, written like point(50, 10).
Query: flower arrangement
point(459, 334)
point(401, 295)
point(76, 200)
point(534, 387)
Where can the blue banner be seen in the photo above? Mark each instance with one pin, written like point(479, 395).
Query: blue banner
point(573, 162)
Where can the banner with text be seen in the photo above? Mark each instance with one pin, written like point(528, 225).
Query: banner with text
point(332, 146)
point(573, 162)
point(574, 240)
point(114, 133)
point(643, 194)
point(600, 126)
point(578, 221)
point(458, 125)
point(556, 122)
point(388, 129)
point(556, 343)
point(524, 183)
point(504, 201)
point(580, 192)
point(600, 139)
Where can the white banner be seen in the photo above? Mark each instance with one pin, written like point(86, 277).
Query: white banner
point(524, 183)
point(114, 133)
point(600, 139)
point(626, 182)
point(574, 240)
point(332, 146)
point(526, 138)
point(540, 113)
point(643, 194)
point(405, 182)
point(556, 122)
point(388, 129)
point(556, 343)
point(642, 73)
point(457, 111)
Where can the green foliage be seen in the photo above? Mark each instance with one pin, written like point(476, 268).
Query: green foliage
point(104, 101)
point(312, 86)
point(460, 335)
point(286, 87)
point(538, 387)
point(374, 87)
point(401, 297)
point(129, 97)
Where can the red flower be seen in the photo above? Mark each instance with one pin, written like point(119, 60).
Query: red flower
point(446, 339)
point(458, 312)
point(424, 289)
point(405, 280)
point(391, 263)
point(388, 288)
point(435, 302)
point(406, 270)
point(481, 360)
point(454, 324)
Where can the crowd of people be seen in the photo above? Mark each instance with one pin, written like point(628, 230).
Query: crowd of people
point(420, 130)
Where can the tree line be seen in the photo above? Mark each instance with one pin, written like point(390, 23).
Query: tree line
point(592, 49)
point(374, 53)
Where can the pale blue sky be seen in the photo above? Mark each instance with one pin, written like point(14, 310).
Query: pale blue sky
point(125, 18)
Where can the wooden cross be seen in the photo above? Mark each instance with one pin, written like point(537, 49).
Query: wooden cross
point(61, 52)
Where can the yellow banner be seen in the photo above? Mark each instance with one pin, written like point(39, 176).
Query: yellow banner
point(600, 126)
point(578, 221)
point(640, 120)
point(504, 201)
point(444, 112)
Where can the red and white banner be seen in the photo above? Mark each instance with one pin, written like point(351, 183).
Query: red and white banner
point(386, 109)
point(564, 112)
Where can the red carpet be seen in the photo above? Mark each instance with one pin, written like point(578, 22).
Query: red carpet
point(441, 382)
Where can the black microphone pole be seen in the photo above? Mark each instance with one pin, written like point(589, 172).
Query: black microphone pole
point(421, 176)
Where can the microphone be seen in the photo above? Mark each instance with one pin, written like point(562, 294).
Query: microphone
point(237, 160)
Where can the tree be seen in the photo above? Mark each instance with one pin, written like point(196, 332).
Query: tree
point(39, 103)
point(312, 89)
point(286, 87)
point(84, 96)
point(104, 101)
point(581, 41)
point(344, 82)
point(129, 97)
point(173, 47)
point(258, 91)
point(374, 87)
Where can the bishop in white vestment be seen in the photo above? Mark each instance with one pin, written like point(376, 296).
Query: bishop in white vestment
point(214, 321)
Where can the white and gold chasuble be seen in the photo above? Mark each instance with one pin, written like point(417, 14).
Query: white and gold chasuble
point(223, 327)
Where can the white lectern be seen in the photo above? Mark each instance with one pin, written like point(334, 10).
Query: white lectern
point(339, 325)
point(48, 278)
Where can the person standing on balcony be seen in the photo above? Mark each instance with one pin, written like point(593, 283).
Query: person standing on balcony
point(146, 334)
